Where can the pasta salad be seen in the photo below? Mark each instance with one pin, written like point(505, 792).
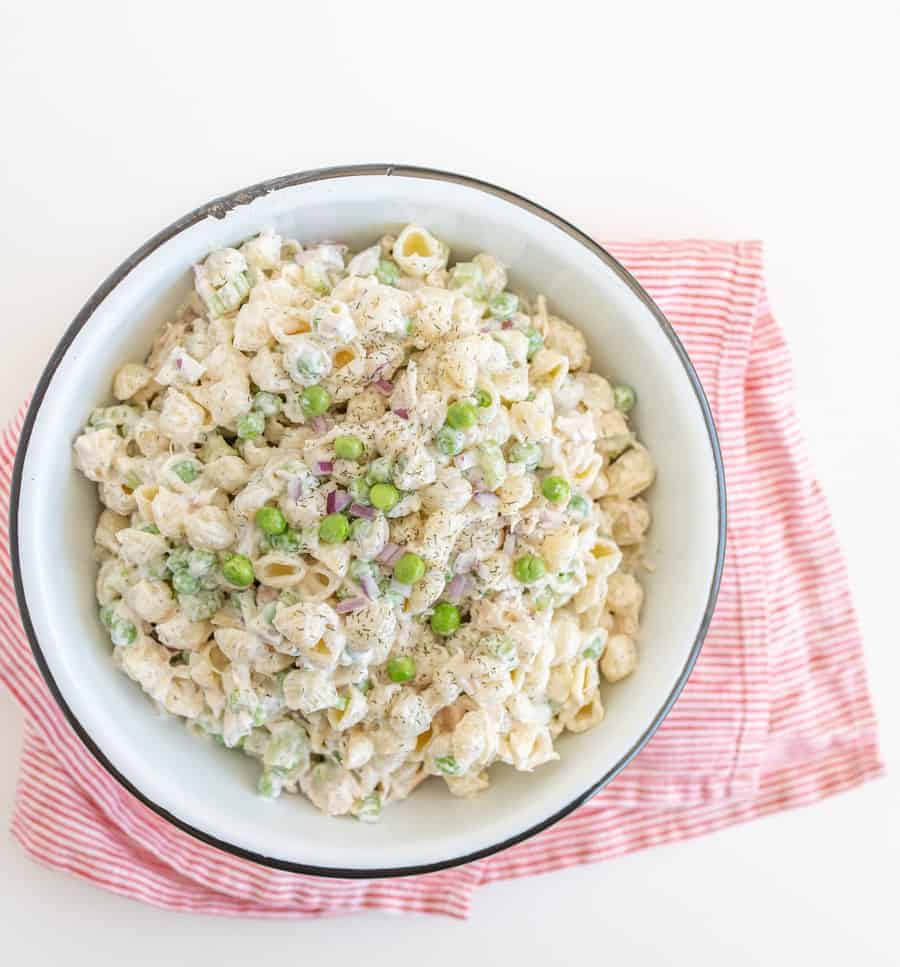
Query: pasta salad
point(369, 518)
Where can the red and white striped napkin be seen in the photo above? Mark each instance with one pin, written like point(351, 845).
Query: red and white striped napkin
point(776, 713)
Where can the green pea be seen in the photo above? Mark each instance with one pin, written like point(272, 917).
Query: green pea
point(409, 569)
point(449, 441)
point(288, 542)
point(185, 583)
point(359, 490)
point(315, 400)
point(179, 559)
point(359, 569)
point(504, 306)
point(448, 765)
point(468, 277)
point(201, 563)
point(579, 507)
point(483, 398)
point(384, 496)
point(624, 398)
point(529, 568)
point(360, 529)
point(500, 646)
point(535, 342)
point(528, 453)
point(556, 489)
point(107, 615)
point(271, 521)
point(202, 605)
point(122, 632)
point(401, 669)
point(461, 415)
point(269, 785)
point(334, 529)
point(368, 809)
point(445, 619)
point(250, 425)
point(387, 272)
point(157, 569)
point(187, 470)
point(380, 471)
point(267, 403)
point(348, 447)
point(491, 463)
point(238, 570)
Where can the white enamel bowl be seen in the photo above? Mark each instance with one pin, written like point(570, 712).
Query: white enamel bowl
point(210, 792)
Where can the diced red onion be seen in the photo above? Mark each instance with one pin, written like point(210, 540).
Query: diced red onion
point(384, 386)
point(319, 424)
point(389, 554)
point(337, 500)
point(370, 586)
point(403, 414)
point(386, 553)
point(324, 467)
point(179, 362)
point(404, 590)
point(349, 605)
point(360, 510)
point(507, 324)
point(458, 588)
point(509, 545)
point(464, 460)
point(486, 499)
point(464, 562)
point(294, 488)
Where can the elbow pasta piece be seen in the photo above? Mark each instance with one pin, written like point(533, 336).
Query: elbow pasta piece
point(318, 583)
point(209, 528)
point(549, 369)
point(295, 381)
point(631, 474)
point(139, 547)
point(181, 419)
point(108, 525)
point(418, 252)
point(96, 453)
point(619, 658)
point(279, 570)
point(167, 509)
point(268, 372)
point(129, 380)
point(584, 717)
point(180, 633)
point(568, 341)
point(528, 746)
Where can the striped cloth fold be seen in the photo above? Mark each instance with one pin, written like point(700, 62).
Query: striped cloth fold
point(776, 714)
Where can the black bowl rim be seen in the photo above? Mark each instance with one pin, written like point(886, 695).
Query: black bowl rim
point(219, 208)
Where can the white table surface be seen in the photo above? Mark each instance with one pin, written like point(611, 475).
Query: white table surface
point(659, 120)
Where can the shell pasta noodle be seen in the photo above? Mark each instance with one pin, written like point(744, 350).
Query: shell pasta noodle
point(369, 518)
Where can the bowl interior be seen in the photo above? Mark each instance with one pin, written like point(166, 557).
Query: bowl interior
point(213, 790)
